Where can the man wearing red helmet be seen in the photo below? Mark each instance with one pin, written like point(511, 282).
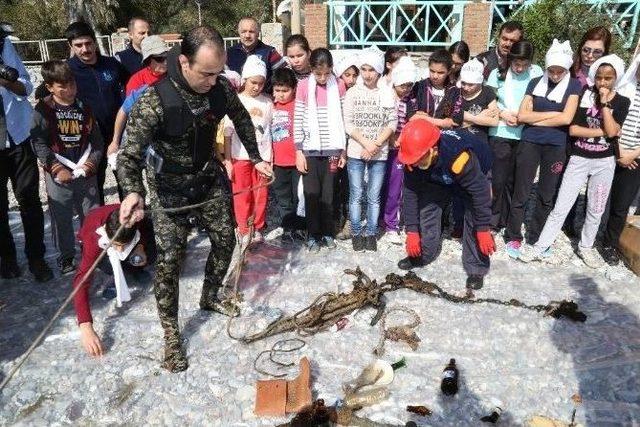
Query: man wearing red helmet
point(437, 165)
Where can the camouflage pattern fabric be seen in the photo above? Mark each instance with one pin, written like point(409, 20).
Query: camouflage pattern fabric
point(171, 238)
point(145, 120)
point(143, 127)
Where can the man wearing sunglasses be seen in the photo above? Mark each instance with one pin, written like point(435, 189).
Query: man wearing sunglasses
point(437, 165)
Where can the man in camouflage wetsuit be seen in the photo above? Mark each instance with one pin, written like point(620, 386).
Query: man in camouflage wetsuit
point(174, 121)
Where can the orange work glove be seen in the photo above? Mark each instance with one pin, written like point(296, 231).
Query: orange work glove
point(412, 245)
point(485, 242)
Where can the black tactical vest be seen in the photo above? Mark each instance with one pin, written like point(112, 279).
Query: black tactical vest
point(179, 121)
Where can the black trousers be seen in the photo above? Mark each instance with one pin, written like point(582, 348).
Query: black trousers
point(18, 165)
point(319, 184)
point(502, 173)
point(285, 188)
point(624, 189)
point(529, 156)
point(432, 200)
point(341, 198)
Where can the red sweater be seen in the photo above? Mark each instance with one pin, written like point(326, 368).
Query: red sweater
point(90, 251)
point(141, 78)
point(284, 151)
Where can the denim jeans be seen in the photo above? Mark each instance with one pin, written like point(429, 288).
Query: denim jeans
point(375, 171)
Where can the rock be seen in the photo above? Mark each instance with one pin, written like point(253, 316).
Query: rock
point(245, 393)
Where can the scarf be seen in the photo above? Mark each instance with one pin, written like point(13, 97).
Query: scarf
point(557, 94)
point(115, 258)
point(334, 116)
point(588, 101)
point(627, 85)
point(76, 168)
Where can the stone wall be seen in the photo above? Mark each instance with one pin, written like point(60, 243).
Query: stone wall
point(475, 26)
point(315, 28)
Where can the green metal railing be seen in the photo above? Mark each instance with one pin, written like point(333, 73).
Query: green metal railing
point(395, 23)
point(355, 23)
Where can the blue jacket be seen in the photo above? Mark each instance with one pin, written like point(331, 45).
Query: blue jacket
point(101, 87)
point(472, 180)
point(131, 59)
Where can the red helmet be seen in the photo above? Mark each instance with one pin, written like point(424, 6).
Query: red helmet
point(417, 137)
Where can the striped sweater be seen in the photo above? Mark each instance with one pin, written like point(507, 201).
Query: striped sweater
point(630, 133)
point(300, 131)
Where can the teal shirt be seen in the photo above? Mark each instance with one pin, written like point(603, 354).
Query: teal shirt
point(516, 94)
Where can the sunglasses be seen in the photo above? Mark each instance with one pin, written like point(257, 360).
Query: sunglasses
point(594, 52)
point(158, 58)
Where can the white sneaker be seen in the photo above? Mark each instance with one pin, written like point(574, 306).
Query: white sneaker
point(530, 253)
point(257, 237)
point(590, 257)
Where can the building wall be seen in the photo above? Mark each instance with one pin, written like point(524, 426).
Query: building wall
point(315, 25)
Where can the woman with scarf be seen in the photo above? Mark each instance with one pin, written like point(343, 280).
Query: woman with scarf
point(547, 110)
point(510, 84)
point(594, 135)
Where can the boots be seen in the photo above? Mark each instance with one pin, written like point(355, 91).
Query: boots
point(174, 357)
point(9, 268)
point(345, 233)
point(209, 301)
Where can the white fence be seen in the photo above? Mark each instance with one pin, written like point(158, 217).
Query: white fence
point(34, 52)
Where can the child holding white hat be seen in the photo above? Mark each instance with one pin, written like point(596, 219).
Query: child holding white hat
point(241, 171)
point(594, 134)
point(547, 110)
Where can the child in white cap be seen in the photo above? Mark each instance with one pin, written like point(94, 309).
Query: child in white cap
point(241, 171)
point(472, 105)
point(547, 110)
point(370, 119)
point(347, 70)
point(403, 77)
point(594, 139)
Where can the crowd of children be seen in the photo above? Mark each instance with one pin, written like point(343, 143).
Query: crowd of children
point(365, 150)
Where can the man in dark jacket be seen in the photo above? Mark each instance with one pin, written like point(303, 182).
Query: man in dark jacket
point(510, 33)
point(101, 81)
point(131, 57)
point(250, 44)
point(438, 164)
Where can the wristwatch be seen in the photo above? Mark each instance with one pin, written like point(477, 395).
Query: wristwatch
point(607, 105)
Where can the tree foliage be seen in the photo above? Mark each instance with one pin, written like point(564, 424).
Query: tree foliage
point(545, 20)
point(41, 19)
